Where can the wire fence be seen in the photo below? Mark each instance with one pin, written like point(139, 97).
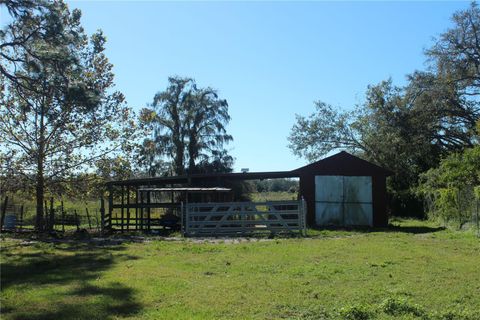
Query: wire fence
point(59, 218)
point(457, 206)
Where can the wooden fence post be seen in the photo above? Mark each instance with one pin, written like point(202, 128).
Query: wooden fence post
point(136, 209)
point(4, 210)
point(128, 208)
point(88, 218)
point(122, 214)
point(141, 210)
point(110, 205)
point(52, 215)
point(63, 217)
point(148, 211)
point(102, 214)
point(77, 222)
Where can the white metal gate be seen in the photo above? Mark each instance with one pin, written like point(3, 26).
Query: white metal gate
point(244, 218)
point(343, 200)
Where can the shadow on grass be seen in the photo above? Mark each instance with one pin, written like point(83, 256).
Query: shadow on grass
point(413, 229)
point(63, 279)
point(390, 228)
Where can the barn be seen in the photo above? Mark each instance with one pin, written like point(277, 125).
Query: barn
point(344, 190)
point(341, 190)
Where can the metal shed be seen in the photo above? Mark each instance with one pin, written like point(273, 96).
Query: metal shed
point(344, 190)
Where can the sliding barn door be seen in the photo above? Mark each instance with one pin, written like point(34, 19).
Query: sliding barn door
point(343, 200)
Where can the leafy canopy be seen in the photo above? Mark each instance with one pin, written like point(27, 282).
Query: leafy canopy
point(189, 126)
point(58, 109)
point(407, 129)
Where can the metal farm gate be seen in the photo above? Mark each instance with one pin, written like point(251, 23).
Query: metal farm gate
point(244, 218)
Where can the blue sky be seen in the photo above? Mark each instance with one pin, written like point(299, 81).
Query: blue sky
point(270, 60)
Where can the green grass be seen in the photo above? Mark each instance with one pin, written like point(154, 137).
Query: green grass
point(413, 270)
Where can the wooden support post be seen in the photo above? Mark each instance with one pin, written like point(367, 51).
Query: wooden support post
point(141, 210)
point(136, 209)
point(88, 218)
point(102, 214)
point(52, 215)
point(122, 216)
point(128, 208)
point(63, 216)
point(110, 205)
point(148, 211)
point(4, 210)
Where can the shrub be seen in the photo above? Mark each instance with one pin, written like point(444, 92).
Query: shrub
point(399, 307)
point(357, 312)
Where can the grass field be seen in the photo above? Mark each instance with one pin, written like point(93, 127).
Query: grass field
point(413, 270)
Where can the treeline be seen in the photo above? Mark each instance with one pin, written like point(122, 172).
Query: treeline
point(275, 185)
point(425, 132)
point(65, 130)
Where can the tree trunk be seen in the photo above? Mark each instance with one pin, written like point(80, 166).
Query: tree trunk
point(192, 153)
point(178, 162)
point(40, 188)
point(40, 181)
point(191, 163)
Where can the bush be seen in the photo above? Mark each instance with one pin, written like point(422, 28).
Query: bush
point(357, 312)
point(400, 307)
point(452, 190)
point(456, 315)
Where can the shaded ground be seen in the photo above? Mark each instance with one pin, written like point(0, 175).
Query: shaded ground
point(413, 270)
point(47, 281)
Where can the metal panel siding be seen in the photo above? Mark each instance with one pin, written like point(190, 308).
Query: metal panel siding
point(328, 214)
point(358, 208)
point(329, 188)
point(358, 189)
point(358, 214)
point(343, 200)
point(328, 200)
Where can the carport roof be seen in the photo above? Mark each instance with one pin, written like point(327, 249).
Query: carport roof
point(206, 176)
point(342, 163)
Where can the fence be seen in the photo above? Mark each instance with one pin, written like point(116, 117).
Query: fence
point(244, 218)
point(12, 215)
point(455, 206)
point(21, 217)
point(195, 219)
